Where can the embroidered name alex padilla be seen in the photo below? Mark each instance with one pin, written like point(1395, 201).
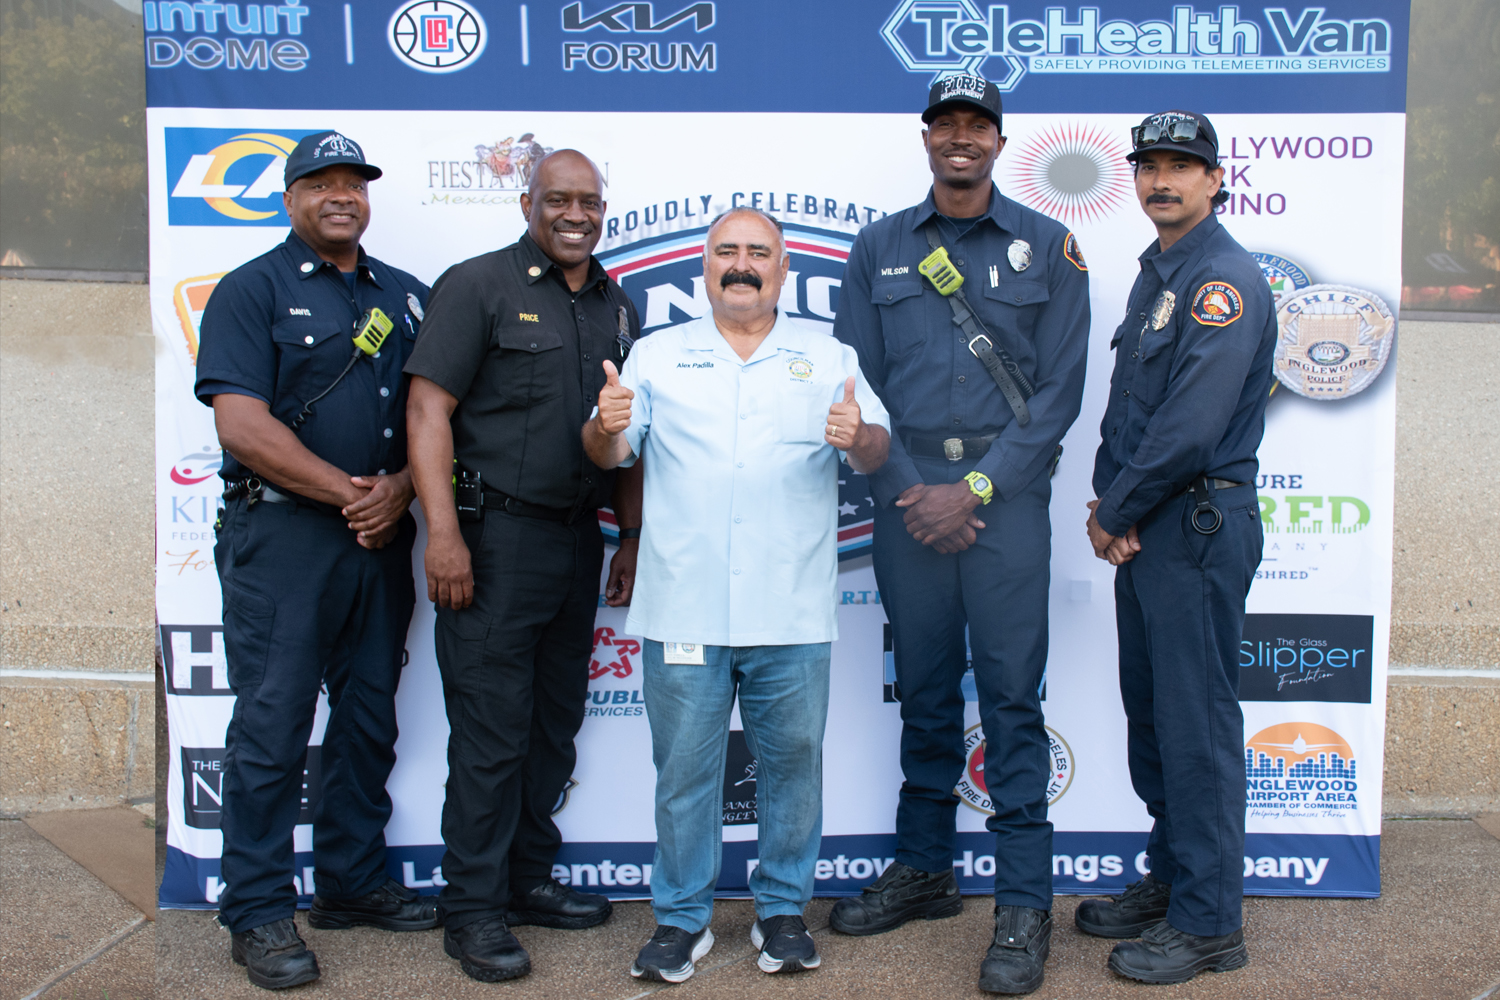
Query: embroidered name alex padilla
point(695, 364)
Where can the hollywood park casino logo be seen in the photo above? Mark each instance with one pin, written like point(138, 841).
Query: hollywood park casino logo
point(664, 276)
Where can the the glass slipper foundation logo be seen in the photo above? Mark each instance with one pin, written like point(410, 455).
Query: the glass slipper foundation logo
point(664, 275)
point(945, 36)
point(230, 36)
point(228, 177)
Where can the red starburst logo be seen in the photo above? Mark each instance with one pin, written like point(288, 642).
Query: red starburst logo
point(1072, 172)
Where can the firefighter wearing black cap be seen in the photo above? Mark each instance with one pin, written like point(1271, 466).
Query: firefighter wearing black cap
point(1177, 515)
point(301, 356)
point(982, 380)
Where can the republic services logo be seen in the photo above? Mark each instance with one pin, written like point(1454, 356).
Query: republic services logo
point(228, 177)
point(437, 36)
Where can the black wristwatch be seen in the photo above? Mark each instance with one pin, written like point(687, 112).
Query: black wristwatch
point(627, 533)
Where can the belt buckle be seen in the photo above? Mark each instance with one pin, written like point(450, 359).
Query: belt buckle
point(953, 449)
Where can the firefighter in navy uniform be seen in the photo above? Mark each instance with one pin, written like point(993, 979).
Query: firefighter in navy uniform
point(982, 381)
point(1177, 514)
point(314, 559)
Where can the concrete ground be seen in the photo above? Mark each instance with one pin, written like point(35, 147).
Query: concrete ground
point(1432, 936)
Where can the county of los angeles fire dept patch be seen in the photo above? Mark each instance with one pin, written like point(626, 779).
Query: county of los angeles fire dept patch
point(1074, 252)
point(1217, 303)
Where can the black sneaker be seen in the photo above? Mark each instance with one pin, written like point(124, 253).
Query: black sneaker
point(785, 945)
point(487, 951)
point(553, 904)
point(900, 894)
point(1165, 954)
point(671, 954)
point(1142, 904)
point(392, 907)
point(274, 955)
point(1023, 939)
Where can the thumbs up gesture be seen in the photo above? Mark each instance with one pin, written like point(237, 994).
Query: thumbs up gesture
point(614, 402)
point(844, 423)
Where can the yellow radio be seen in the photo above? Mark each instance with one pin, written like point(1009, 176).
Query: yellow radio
point(373, 327)
point(939, 270)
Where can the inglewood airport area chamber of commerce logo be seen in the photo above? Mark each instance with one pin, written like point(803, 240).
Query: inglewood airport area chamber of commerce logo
point(1300, 769)
point(664, 275)
point(971, 789)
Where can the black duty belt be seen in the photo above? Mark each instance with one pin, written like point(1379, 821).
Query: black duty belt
point(1009, 378)
point(953, 449)
point(495, 500)
point(255, 490)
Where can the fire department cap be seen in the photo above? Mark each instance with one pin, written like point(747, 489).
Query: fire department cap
point(963, 88)
point(1155, 132)
point(327, 149)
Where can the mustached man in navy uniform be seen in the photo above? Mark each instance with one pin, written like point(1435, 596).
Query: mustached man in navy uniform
point(1177, 514)
point(981, 382)
point(314, 558)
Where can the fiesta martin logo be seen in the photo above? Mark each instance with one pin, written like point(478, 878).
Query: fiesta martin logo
point(437, 36)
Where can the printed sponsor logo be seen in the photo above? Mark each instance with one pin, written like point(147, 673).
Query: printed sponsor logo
point(193, 660)
point(203, 786)
point(945, 36)
point(613, 662)
point(437, 36)
point(197, 467)
point(971, 788)
point(189, 299)
point(1072, 172)
point(664, 275)
point(1334, 341)
point(1300, 770)
point(1283, 275)
point(652, 53)
point(191, 35)
point(740, 765)
point(495, 173)
point(226, 177)
point(1307, 658)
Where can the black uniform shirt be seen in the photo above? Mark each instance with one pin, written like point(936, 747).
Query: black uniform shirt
point(281, 328)
point(1188, 393)
point(524, 354)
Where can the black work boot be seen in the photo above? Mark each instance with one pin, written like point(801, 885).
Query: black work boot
point(1165, 954)
point(900, 894)
point(1142, 904)
point(553, 904)
point(487, 951)
point(274, 955)
point(392, 907)
point(1023, 938)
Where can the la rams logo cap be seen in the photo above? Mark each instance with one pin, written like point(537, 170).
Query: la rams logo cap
point(962, 89)
point(327, 149)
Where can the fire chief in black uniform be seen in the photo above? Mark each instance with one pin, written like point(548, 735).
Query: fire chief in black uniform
point(314, 556)
point(507, 369)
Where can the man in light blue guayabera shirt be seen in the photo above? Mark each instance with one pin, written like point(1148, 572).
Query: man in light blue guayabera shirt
point(741, 417)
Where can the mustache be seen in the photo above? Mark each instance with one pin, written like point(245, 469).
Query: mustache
point(1163, 199)
point(740, 278)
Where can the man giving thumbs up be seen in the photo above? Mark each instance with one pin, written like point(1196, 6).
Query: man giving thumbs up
point(740, 416)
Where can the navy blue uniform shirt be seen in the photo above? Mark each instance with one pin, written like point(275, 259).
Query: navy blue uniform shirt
point(918, 361)
point(1188, 398)
point(282, 334)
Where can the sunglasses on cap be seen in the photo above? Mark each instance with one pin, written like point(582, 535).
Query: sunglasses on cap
point(1182, 130)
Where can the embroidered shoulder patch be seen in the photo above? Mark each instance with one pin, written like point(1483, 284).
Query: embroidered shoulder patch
point(1217, 303)
point(1074, 252)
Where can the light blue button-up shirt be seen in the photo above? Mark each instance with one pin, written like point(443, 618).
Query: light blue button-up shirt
point(739, 537)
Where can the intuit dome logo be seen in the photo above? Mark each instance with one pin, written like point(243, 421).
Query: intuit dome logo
point(664, 275)
point(935, 37)
point(1300, 769)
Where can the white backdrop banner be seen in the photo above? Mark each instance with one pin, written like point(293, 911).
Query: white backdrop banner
point(812, 115)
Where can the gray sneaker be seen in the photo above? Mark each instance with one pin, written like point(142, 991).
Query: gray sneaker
point(671, 954)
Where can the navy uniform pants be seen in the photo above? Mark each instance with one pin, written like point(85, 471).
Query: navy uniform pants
point(515, 668)
point(305, 607)
point(1180, 607)
point(998, 587)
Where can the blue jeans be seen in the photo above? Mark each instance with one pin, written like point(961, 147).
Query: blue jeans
point(783, 692)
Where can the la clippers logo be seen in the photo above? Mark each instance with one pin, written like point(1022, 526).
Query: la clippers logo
point(437, 36)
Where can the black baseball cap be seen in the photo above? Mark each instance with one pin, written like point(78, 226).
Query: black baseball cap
point(963, 88)
point(1180, 131)
point(327, 149)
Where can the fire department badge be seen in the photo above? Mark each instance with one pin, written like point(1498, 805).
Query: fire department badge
point(1217, 303)
point(1019, 255)
point(1333, 341)
point(1162, 311)
point(1074, 252)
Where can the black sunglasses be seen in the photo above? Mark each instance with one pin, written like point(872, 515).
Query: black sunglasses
point(1182, 130)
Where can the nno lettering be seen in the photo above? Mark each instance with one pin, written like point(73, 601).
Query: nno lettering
point(240, 23)
point(650, 56)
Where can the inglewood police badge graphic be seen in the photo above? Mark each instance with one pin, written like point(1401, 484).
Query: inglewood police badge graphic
point(971, 787)
point(1284, 276)
point(1333, 341)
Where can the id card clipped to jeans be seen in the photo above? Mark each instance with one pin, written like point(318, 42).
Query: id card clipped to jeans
point(689, 653)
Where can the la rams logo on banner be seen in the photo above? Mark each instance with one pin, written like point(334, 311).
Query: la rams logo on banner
point(664, 276)
point(228, 177)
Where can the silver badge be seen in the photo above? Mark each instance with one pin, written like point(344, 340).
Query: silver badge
point(1162, 311)
point(1019, 255)
point(414, 306)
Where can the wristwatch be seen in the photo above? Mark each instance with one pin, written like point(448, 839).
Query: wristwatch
point(980, 486)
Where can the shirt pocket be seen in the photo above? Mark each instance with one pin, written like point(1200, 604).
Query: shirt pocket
point(1154, 370)
point(802, 413)
point(1018, 303)
point(531, 364)
point(903, 315)
point(310, 354)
